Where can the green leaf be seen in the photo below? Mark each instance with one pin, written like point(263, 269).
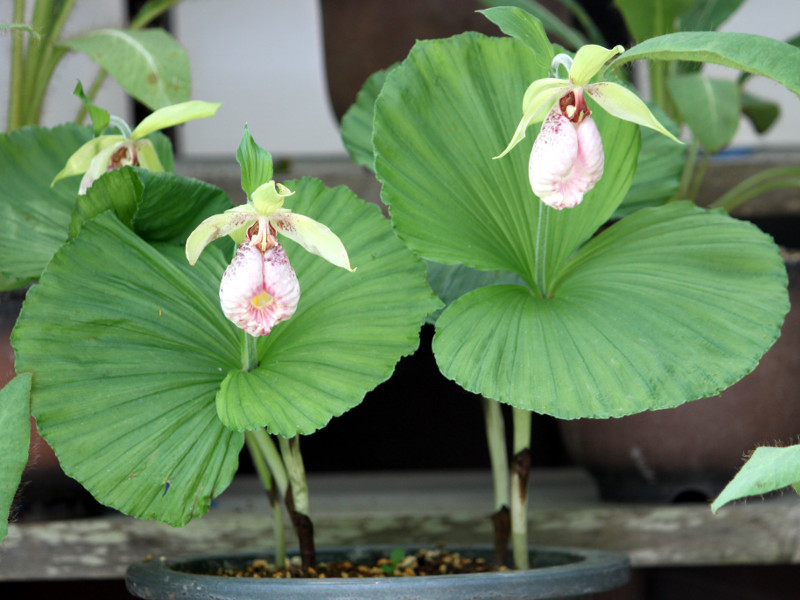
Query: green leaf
point(173, 205)
point(659, 168)
point(441, 116)
point(148, 63)
point(645, 20)
point(450, 282)
point(571, 36)
point(255, 163)
point(709, 106)
point(349, 329)
point(159, 207)
point(128, 347)
point(30, 209)
point(762, 113)
point(744, 51)
point(767, 470)
point(15, 423)
point(357, 121)
point(119, 190)
point(668, 305)
point(100, 117)
point(524, 27)
point(707, 15)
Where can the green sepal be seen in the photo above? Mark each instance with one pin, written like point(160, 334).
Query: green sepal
point(255, 163)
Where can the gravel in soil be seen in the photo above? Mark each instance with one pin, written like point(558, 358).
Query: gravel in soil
point(421, 563)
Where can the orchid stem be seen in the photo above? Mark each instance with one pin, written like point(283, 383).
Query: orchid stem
point(273, 494)
point(498, 457)
point(300, 508)
point(520, 473)
point(540, 266)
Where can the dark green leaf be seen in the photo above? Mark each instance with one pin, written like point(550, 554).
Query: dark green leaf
point(35, 216)
point(119, 190)
point(762, 113)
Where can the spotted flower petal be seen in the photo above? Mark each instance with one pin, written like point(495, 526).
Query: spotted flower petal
point(259, 289)
point(566, 160)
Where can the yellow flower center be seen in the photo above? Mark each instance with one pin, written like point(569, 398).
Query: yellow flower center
point(262, 300)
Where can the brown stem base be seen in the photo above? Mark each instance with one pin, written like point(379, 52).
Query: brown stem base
point(501, 520)
point(304, 529)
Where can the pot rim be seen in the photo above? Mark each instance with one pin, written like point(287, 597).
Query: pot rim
point(588, 572)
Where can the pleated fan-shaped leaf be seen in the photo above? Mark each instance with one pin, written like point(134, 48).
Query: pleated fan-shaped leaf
point(349, 329)
point(35, 216)
point(441, 116)
point(668, 305)
point(128, 347)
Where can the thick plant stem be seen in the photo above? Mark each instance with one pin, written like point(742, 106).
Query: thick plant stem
point(496, 438)
point(300, 508)
point(16, 82)
point(271, 488)
point(520, 472)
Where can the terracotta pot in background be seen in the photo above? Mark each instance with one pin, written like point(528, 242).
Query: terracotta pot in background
point(692, 451)
point(364, 36)
point(45, 492)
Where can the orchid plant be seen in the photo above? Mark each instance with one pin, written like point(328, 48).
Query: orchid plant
point(193, 327)
point(552, 306)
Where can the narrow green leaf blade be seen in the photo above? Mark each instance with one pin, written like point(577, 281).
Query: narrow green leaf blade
point(349, 329)
point(15, 423)
point(128, 347)
point(709, 106)
point(668, 305)
point(767, 470)
point(707, 15)
point(572, 37)
point(522, 25)
point(646, 19)
point(762, 113)
point(744, 51)
point(30, 209)
point(148, 63)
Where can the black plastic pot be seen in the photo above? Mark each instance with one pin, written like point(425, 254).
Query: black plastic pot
point(562, 573)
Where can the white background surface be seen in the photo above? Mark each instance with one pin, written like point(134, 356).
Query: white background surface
point(264, 60)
